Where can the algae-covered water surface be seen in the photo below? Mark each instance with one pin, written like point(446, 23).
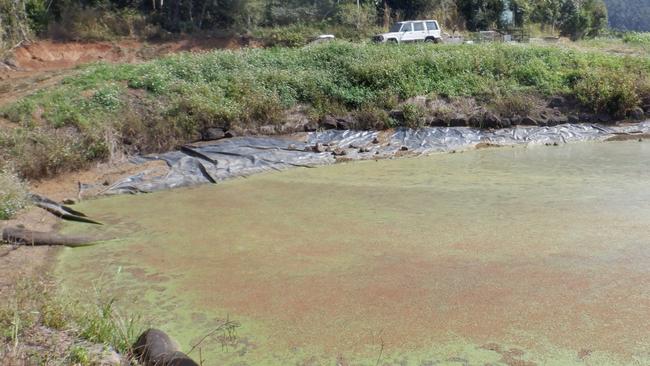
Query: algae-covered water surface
point(501, 256)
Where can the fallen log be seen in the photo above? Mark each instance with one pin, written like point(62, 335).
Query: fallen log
point(155, 348)
point(21, 236)
point(61, 211)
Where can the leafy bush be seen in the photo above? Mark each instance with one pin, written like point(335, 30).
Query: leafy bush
point(13, 194)
point(606, 93)
point(637, 38)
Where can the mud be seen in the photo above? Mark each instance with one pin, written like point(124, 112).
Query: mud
point(516, 256)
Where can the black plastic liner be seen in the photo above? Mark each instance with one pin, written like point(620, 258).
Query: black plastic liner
point(244, 156)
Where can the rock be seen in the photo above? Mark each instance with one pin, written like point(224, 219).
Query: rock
point(319, 148)
point(311, 126)
point(505, 123)
point(69, 201)
point(436, 122)
point(375, 140)
point(573, 119)
point(213, 134)
point(364, 149)
point(339, 152)
point(637, 113)
point(459, 120)
point(557, 120)
point(404, 148)
point(345, 123)
point(491, 120)
point(397, 115)
point(528, 121)
point(516, 120)
point(557, 102)
point(329, 123)
point(100, 355)
point(604, 118)
point(646, 108)
point(586, 117)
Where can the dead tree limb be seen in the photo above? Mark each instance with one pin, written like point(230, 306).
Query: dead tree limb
point(20, 236)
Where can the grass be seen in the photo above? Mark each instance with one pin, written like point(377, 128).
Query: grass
point(36, 305)
point(158, 105)
point(13, 194)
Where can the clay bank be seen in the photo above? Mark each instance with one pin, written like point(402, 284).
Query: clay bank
point(516, 256)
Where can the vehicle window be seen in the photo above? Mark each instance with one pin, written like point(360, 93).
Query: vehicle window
point(408, 27)
point(396, 27)
point(418, 27)
point(432, 26)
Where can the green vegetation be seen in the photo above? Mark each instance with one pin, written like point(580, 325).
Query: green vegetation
point(109, 19)
point(161, 104)
point(35, 304)
point(12, 194)
point(637, 38)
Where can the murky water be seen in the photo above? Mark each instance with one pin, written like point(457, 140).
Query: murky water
point(492, 256)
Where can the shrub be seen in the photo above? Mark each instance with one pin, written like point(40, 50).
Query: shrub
point(605, 92)
point(413, 115)
point(515, 104)
point(13, 194)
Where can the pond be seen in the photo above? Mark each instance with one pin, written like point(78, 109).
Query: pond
point(502, 256)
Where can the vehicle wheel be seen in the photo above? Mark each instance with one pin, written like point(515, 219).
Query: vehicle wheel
point(430, 40)
point(437, 40)
point(392, 41)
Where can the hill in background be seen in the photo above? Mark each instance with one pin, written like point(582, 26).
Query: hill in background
point(629, 14)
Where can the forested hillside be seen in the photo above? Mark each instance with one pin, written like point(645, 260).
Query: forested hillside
point(629, 14)
point(106, 19)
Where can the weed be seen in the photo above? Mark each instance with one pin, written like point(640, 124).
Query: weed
point(13, 194)
point(79, 356)
point(413, 115)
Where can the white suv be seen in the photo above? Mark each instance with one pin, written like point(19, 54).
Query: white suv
point(412, 31)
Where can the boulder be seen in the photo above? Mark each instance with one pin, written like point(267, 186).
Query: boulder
point(491, 120)
point(460, 120)
point(604, 118)
point(329, 123)
point(213, 133)
point(397, 115)
point(573, 119)
point(529, 121)
point(311, 126)
point(557, 120)
point(557, 102)
point(345, 123)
